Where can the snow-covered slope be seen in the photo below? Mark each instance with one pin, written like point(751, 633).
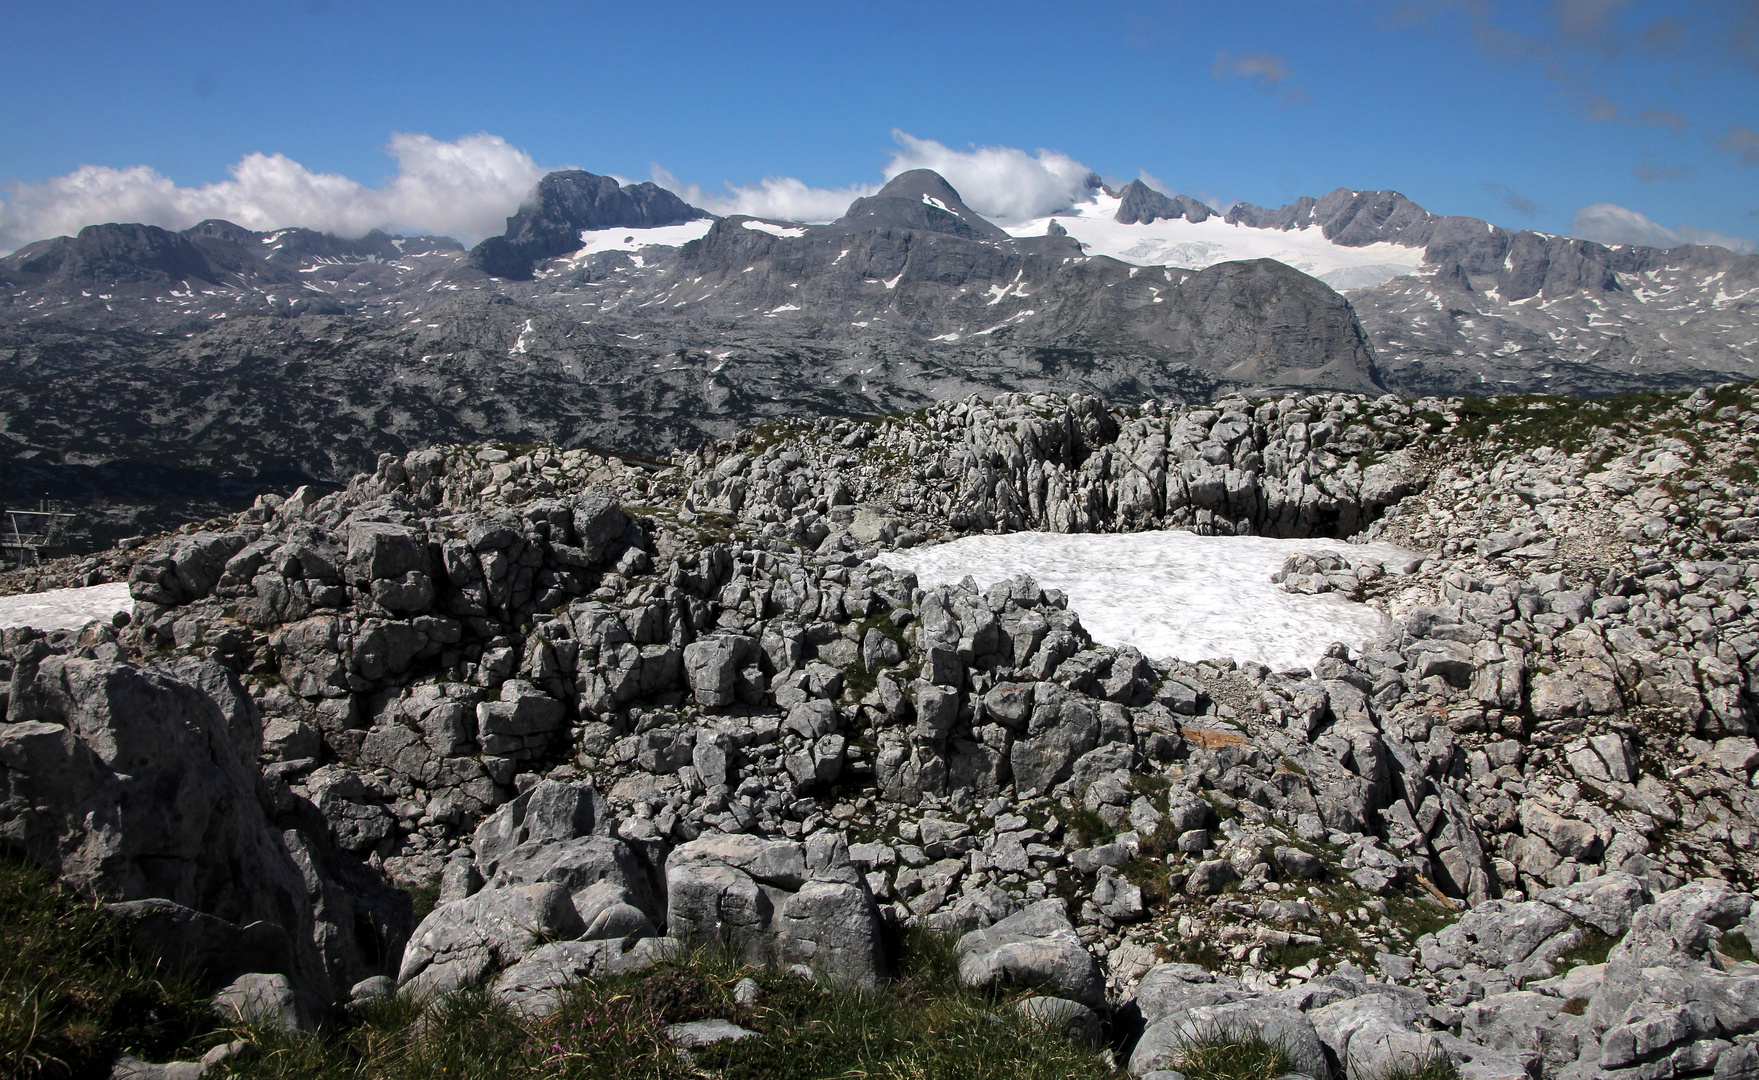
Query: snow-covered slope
point(597, 240)
point(65, 609)
point(1181, 243)
point(1171, 594)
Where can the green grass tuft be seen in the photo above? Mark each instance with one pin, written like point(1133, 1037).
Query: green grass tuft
point(923, 1024)
point(1437, 1066)
point(1228, 1054)
point(72, 994)
point(1735, 946)
point(1087, 825)
point(1591, 949)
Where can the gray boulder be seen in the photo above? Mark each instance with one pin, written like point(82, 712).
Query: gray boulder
point(1063, 727)
point(696, 1034)
point(777, 902)
point(1664, 985)
point(1034, 947)
point(378, 551)
point(1170, 988)
point(459, 944)
point(1161, 1042)
point(261, 998)
point(1523, 1021)
point(711, 666)
point(561, 833)
point(533, 987)
point(1498, 933)
point(1376, 1032)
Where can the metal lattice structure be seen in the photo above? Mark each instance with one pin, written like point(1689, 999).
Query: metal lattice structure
point(30, 536)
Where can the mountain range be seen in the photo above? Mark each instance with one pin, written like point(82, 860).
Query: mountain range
point(154, 374)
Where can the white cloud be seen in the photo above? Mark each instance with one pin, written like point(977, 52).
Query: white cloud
point(781, 197)
point(464, 189)
point(998, 182)
point(1608, 223)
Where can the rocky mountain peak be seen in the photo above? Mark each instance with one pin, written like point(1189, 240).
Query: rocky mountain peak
point(1346, 216)
point(111, 253)
point(566, 203)
point(1143, 205)
point(920, 199)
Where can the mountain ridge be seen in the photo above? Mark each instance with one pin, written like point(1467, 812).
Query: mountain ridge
point(222, 352)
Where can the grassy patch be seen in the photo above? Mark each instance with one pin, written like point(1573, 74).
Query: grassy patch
point(1152, 784)
point(1291, 955)
point(1523, 421)
point(1437, 1066)
point(1418, 915)
point(425, 898)
point(1226, 1054)
point(1148, 871)
point(1199, 951)
point(1087, 825)
point(922, 1024)
point(1735, 946)
point(72, 994)
point(1591, 949)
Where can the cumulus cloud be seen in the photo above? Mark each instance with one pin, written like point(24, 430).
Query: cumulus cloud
point(1608, 223)
point(463, 188)
point(781, 197)
point(1270, 72)
point(999, 181)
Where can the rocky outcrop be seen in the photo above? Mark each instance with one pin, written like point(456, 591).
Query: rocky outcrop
point(1140, 205)
point(1033, 947)
point(777, 902)
point(566, 204)
point(140, 786)
point(606, 708)
point(918, 199)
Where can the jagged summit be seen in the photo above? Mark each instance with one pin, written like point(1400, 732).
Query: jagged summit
point(1142, 205)
point(566, 203)
point(919, 199)
point(1348, 217)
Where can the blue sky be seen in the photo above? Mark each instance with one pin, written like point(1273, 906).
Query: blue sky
point(1523, 114)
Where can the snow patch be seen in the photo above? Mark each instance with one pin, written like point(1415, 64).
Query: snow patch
point(597, 240)
point(65, 609)
point(1171, 594)
point(773, 229)
point(1195, 246)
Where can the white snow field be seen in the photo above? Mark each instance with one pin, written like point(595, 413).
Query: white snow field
point(597, 240)
point(65, 609)
point(1161, 243)
point(1195, 246)
point(1172, 594)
